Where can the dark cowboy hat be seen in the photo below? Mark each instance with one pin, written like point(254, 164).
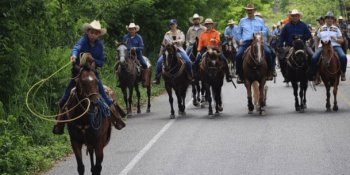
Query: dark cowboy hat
point(320, 18)
point(250, 7)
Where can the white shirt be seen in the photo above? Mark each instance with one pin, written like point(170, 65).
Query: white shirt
point(325, 33)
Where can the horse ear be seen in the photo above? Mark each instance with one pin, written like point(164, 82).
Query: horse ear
point(322, 42)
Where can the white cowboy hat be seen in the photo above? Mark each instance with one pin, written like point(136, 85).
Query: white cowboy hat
point(230, 22)
point(133, 25)
point(258, 14)
point(209, 21)
point(96, 25)
point(340, 17)
point(295, 12)
point(196, 16)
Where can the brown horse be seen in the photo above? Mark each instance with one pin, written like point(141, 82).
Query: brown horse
point(175, 77)
point(255, 69)
point(229, 52)
point(130, 77)
point(330, 72)
point(93, 128)
point(212, 70)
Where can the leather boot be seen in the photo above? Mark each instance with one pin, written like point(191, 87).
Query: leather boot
point(115, 117)
point(58, 128)
point(157, 79)
point(342, 76)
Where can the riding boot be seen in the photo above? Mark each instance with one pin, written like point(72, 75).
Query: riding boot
point(157, 79)
point(116, 114)
point(317, 79)
point(342, 76)
point(240, 79)
point(58, 128)
point(228, 75)
point(145, 77)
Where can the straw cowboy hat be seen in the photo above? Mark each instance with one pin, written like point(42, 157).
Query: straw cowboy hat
point(295, 12)
point(96, 25)
point(250, 7)
point(230, 22)
point(258, 14)
point(209, 21)
point(133, 25)
point(340, 17)
point(196, 16)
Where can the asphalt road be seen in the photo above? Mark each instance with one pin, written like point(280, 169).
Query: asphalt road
point(282, 142)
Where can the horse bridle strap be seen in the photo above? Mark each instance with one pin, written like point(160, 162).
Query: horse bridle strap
point(177, 74)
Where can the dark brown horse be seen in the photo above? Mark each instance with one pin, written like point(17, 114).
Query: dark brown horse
point(255, 69)
point(175, 77)
point(130, 78)
point(92, 126)
point(212, 70)
point(229, 52)
point(330, 72)
point(297, 70)
point(197, 89)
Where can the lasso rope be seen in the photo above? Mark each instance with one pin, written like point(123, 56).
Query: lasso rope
point(46, 117)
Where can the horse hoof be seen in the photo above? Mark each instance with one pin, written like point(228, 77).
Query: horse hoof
point(148, 110)
point(182, 113)
point(305, 106)
point(217, 113)
point(138, 111)
point(202, 105)
point(262, 112)
point(328, 109)
point(195, 103)
point(297, 108)
point(250, 112)
point(172, 116)
point(210, 113)
point(220, 108)
point(302, 110)
point(335, 108)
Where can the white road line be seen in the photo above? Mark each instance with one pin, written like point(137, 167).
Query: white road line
point(148, 146)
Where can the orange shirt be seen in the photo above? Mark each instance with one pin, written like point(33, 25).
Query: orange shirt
point(206, 37)
point(285, 21)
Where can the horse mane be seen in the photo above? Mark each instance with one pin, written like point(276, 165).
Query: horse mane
point(87, 62)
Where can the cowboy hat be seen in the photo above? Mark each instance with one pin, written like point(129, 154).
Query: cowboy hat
point(96, 25)
point(230, 22)
point(133, 25)
point(320, 18)
point(295, 12)
point(196, 16)
point(209, 21)
point(250, 7)
point(340, 17)
point(329, 14)
point(258, 14)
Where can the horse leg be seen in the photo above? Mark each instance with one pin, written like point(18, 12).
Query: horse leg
point(171, 100)
point(261, 98)
point(131, 91)
point(91, 153)
point(335, 91)
point(125, 95)
point(249, 96)
point(137, 89)
point(148, 99)
point(194, 93)
point(99, 158)
point(198, 87)
point(77, 151)
point(295, 92)
point(304, 98)
point(328, 104)
point(209, 99)
point(203, 93)
point(301, 95)
point(179, 101)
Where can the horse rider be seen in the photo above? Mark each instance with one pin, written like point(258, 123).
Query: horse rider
point(295, 28)
point(230, 33)
point(133, 40)
point(210, 38)
point(326, 32)
point(89, 43)
point(194, 31)
point(343, 26)
point(173, 36)
point(245, 31)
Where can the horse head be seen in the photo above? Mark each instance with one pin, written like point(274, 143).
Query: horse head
point(122, 52)
point(299, 55)
point(194, 52)
point(257, 48)
point(327, 52)
point(87, 85)
point(213, 64)
point(170, 56)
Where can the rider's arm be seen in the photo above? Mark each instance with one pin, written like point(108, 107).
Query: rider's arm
point(99, 55)
point(188, 37)
point(339, 38)
point(181, 40)
point(77, 47)
point(307, 34)
point(141, 45)
point(200, 42)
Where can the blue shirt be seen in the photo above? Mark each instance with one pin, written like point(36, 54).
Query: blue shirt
point(275, 32)
point(96, 51)
point(290, 30)
point(247, 27)
point(231, 31)
point(135, 41)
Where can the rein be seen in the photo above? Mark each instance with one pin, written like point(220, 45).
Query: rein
point(328, 62)
point(177, 74)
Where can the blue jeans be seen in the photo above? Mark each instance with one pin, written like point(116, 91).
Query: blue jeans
point(189, 50)
point(72, 84)
point(140, 58)
point(184, 57)
point(200, 55)
point(269, 56)
point(317, 55)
